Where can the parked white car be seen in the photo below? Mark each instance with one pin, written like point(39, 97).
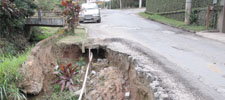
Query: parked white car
point(90, 12)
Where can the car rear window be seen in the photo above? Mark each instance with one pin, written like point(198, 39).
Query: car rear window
point(90, 6)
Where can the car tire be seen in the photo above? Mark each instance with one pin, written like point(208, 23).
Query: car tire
point(99, 21)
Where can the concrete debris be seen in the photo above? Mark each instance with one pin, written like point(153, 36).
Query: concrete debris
point(164, 97)
point(99, 98)
point(77, 93)
point(127, 95)
point(101, 60)
point(93, 72)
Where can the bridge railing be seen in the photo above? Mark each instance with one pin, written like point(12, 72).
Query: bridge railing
point(54, 19)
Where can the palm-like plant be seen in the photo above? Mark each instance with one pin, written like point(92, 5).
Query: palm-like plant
point(64, 77)
point(71, 10)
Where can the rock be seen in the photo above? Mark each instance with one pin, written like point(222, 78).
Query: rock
point(220, 90)
point(160, 89)
point(123, 81)
point(154, 84)
point(164, 97)
point(93, 72)
point(56, 67)
point(77, 93)
point(31, 85)
point(99, 98)
point(153, 87)
point(156, 95)
point(99, 60)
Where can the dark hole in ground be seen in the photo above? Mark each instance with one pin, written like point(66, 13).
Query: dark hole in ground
point(98, 53)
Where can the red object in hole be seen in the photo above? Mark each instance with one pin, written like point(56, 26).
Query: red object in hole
point(63, 3)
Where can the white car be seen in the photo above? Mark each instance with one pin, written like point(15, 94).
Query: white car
point(90, 13)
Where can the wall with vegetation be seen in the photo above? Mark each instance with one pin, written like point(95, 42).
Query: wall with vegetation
point(175, 9)
point(156, 6)
point(127, 3)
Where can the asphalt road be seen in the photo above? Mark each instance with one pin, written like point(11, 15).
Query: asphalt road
point(202, 59)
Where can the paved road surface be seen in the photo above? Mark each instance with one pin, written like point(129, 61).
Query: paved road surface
point(202, 59)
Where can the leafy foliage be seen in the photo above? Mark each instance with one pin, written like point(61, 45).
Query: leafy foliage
point(9, 76)
point(172, 22)
point(66, 95)
point(64, 77)
point(71, 11)
point(46, 5)
point(115, 4)
point(194, 17)
point(81, 62)
point(13, 14)
point(40, 33)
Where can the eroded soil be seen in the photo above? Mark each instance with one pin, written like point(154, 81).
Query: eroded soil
point(112, 75)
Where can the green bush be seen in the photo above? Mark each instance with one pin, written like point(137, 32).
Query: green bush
point(60, 96)
point(13, 14)
point(194, 17)
point(57, 95)
point(9, 76)
point(40, 33)
point(47, 5)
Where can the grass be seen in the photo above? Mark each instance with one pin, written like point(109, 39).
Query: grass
point(58, 95)
point(9, 76)
point(65, 95)
point(79, 36)
point(172, 22)
point(41, 33)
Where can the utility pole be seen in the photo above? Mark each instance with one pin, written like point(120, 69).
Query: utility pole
point(110, 4)
point(222, 22)
point(187, 12)
point(140, 3)
point(120, 4)
point(104, 4)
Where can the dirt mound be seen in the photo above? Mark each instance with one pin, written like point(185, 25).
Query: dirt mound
point(37, 67)
point(38, 70)
point(108, 85)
